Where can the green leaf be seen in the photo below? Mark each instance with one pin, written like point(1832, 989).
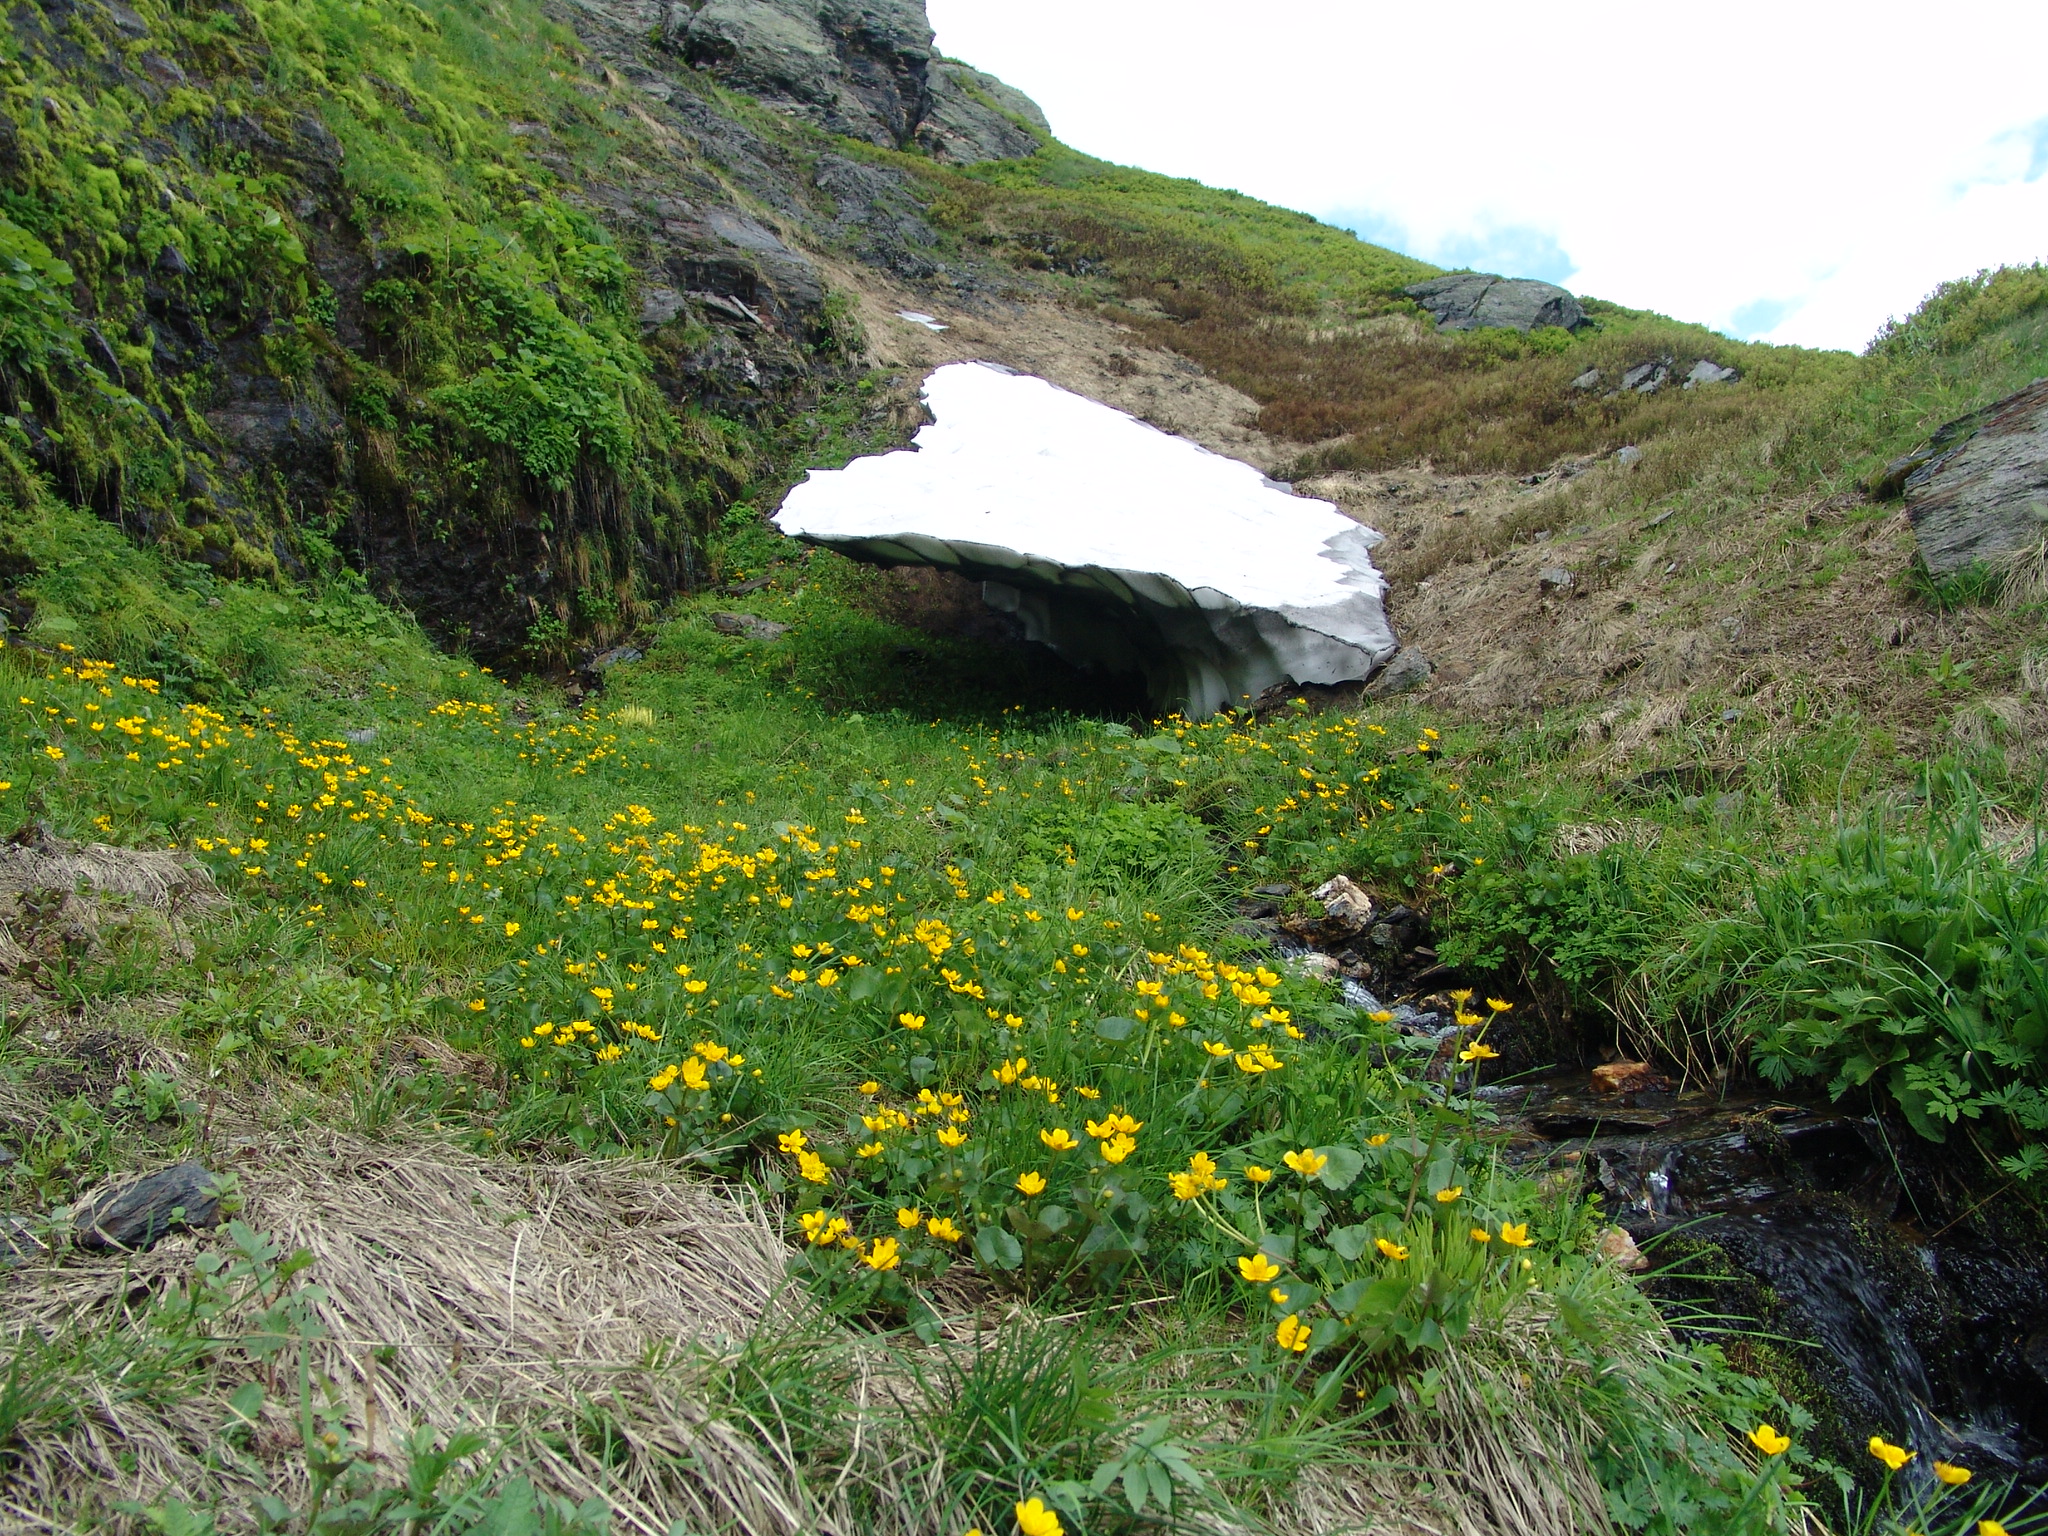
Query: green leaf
point(1116, 1028)
point(997, 1249)
point(1343, 1167)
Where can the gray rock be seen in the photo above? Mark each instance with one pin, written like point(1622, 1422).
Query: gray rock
point(1590, 379)
point(863, 68)
point(1706, 371)
point(1981, 494)
point(361, 738)
point(1646, 378)
point(1466, 301)
point(1408, 669)
point(1628, 456)
point(138, 1215)
point(975, 117)
point(748, 625)
point(1554, 578)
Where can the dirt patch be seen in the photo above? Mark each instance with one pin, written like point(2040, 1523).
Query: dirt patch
point(1077, 349)
point(60, 898)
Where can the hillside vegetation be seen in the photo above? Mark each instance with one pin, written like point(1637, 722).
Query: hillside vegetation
point(817, 1078)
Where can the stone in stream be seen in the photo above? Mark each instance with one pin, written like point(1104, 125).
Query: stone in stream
point(1629, 1077)
point(137, 1215)
point(748, 625)
point(1345, 901)
point(1123, 548)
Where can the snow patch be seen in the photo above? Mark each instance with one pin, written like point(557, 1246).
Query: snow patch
point(1119, 545)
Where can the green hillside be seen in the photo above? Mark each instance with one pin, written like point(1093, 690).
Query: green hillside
point(819, 1075)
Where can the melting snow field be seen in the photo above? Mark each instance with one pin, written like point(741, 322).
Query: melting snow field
point(1121, 546)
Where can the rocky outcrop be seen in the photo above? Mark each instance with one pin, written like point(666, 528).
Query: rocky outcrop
point(1123, 548)
point(864, 68)
point(1977, 491)
point(1466, 301)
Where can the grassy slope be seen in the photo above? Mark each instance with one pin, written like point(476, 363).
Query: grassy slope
point(311, 981)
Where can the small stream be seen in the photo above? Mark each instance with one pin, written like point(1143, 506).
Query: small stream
point(1856, 1253)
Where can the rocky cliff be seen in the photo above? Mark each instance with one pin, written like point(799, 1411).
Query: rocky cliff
point(504, 307)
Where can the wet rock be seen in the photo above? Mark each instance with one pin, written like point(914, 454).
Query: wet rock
point(1620, 1250)
point(1706, 371)
point(1315, 966)
point(748, 625)
point(138, 1215)
point(1980, 496)
point(1629, 1077)
point(1254, 907)
point(1273, 890)
point(1466, 301)
point(1345, 902)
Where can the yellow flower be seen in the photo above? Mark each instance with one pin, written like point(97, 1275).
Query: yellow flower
point(870, 1149)
point(884, 1255)
point(1893, 1456)
point(1497, 1005)
point(870, 1087)
point(1391, 1250)
point(1031, 1184)
point(1059, 1138)
point(1292, 1333)
point(1516, 1234)
point(1462, 996)
point(1117, 1148)
point(1257, 1268)
point(1307, 1162)
point(1216, 1047)
point(813, 1168)
point(952, 1136)
point(1034, 1519)
point(910, 1020)
point(1766, 1438)
point(1446, 1196)
point(1481, 1235)
point(1377, 1141)
point(510, 929)
point(908, 1216)
point(792, 1141)
point(1951, 1474)
point(1990, 1528)
point(942, 1228)
point(1256, 1174)
point(1277, 1296)
point(1478, 1050)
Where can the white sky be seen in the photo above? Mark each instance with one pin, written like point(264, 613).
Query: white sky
point(1791, 170)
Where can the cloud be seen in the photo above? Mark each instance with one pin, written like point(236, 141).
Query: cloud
point(1756, 175)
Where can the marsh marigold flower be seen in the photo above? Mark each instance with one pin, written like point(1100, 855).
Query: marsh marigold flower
point(910, 1020)
point(1478, 1050)
point(1292, 1334)
point(1257, 1175)
point(813, 1168)
point(944, 1229)
point(1257, 1268)
point(1765, 1437)
point(908, 1216)
point(951, 1137)
point(884, 1255)
point(1117, 1148)
point(1307, 1162)
point(1030, 1184)
point(1034, 1519)
point(792, 1141)
point(1059, 1138)
point(1481, 1235)
point(1446, 1196)
point(1516, 1234)
point(1951, 1474)
point(1391, 1249)
point(1893, 1456)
